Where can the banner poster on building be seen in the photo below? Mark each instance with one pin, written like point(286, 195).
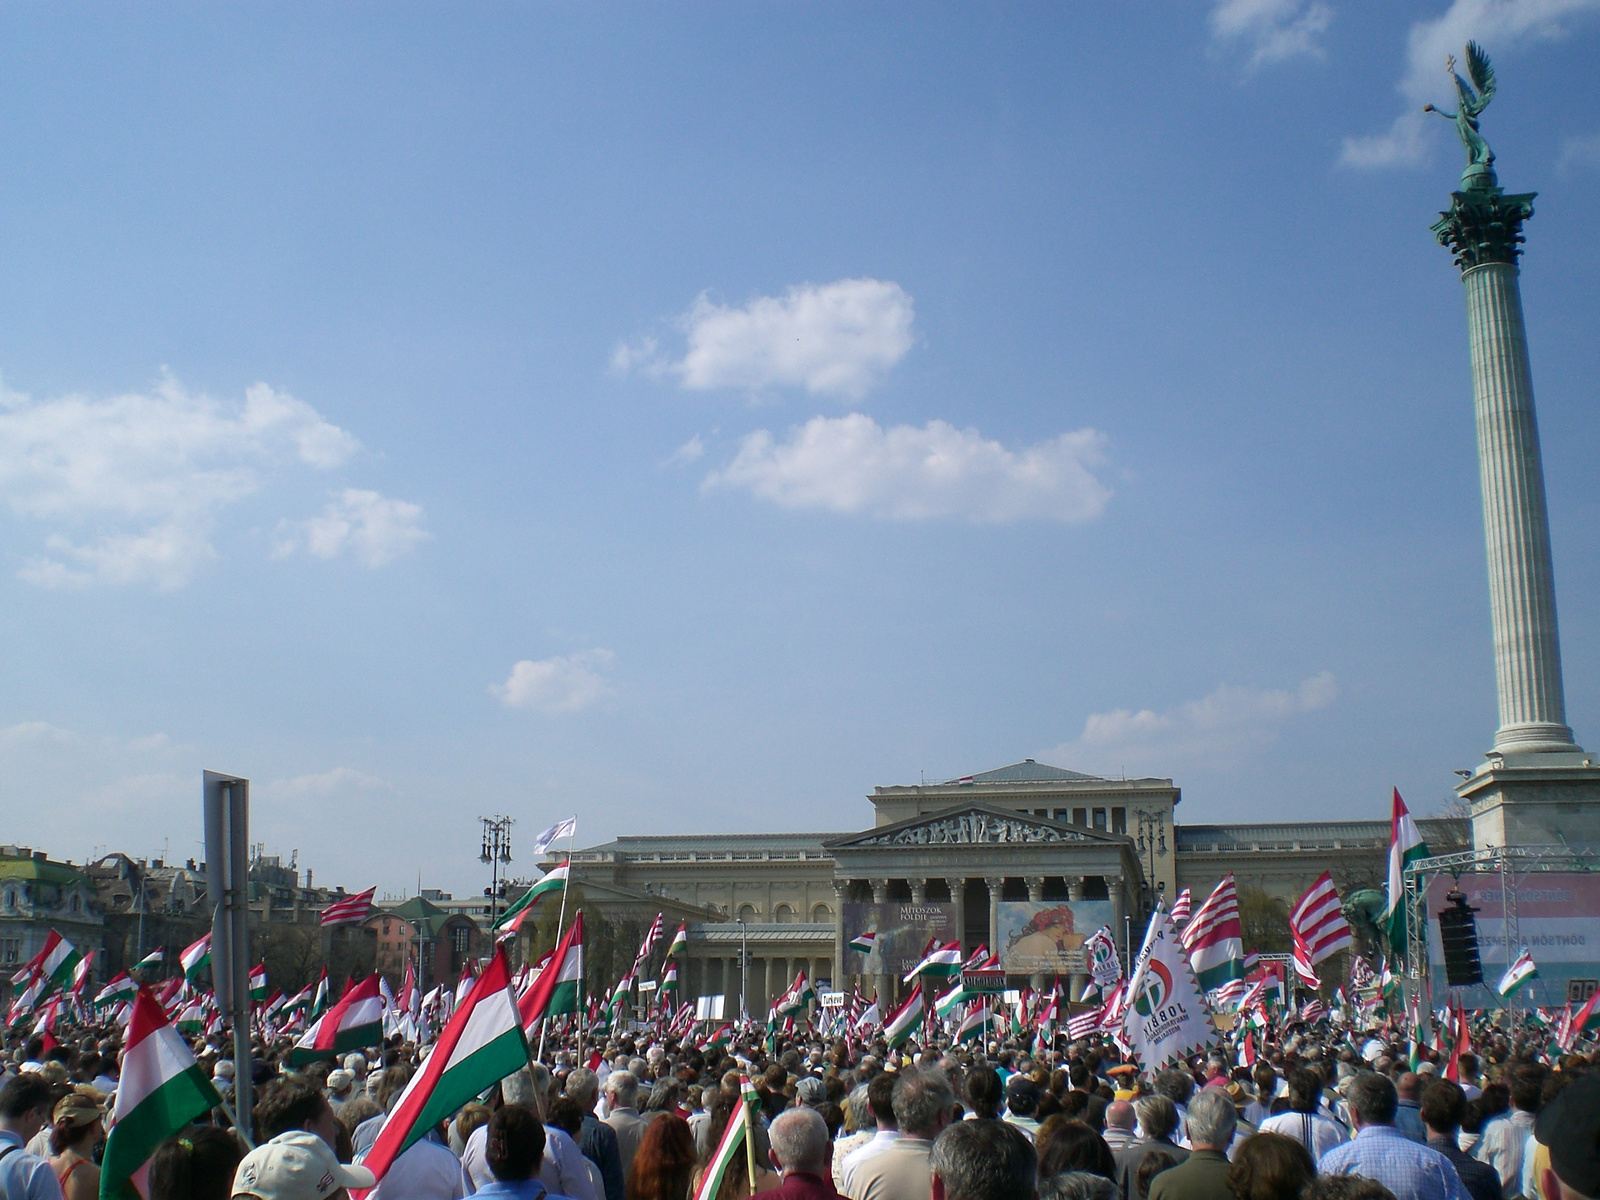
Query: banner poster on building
point(1047, 937)
point(1558, 922)
point(900, 934)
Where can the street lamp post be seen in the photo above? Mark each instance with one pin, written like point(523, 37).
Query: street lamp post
point(496, 850)
point(744, 967)
point(1152, 843)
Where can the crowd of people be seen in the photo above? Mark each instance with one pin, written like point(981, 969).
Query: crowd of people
point(1325, 1115)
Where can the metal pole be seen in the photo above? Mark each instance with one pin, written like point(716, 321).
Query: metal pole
point(744, 970)
point(561, 916)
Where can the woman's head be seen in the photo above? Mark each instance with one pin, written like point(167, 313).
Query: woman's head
point(1270, 1166)
point(1065, 1145)
point(664, 1163)
point(77, 1121)
point(197, 1164)
point(515, 1145)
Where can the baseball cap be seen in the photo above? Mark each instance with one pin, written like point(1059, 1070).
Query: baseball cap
point(339, 1079)
point(1570, 1127)
point(811, 1091)
point(296, 1166)
point(79, 1107)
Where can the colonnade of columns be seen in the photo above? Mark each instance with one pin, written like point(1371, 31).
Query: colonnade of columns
point(766, 978)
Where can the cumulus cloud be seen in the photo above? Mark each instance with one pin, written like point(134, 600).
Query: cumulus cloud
point(853, 465)
point(563, 684)
point(689, 452)
point(1229, 724)
point(146, 474)
point(1272, 30)
point(324, 784)
point(1499, 24)
point(373, 529)
point(833, 339)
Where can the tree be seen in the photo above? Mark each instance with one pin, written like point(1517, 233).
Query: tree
point(1265, 920)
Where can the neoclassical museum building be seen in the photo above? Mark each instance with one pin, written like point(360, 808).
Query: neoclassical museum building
point(1027, 860)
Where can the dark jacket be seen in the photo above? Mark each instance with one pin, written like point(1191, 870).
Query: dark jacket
point(598, 1141)
point(1129, 1159)
point(1201, 1176)
point(1480, 1179)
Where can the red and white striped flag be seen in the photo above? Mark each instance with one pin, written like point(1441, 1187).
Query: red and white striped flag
point(1317, 919)
point(1182, 907)
point(652, 936)
point(351, 910)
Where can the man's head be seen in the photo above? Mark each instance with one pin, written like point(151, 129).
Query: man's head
point(880, 1099)
point(297, 1165)
point(1305, 1091)
point(1409, 1087)
point(583, 1086)
point(1527, 1087)
point(292, 1102)
point(622, 1089)
point(1569, 1126)
point(1022, 1096)
point(799, 1138)
point(1120, 1115)
point(922, 1103)
point(982, 1160)
point(25, 1102)
point(1211, 1120)
point(1158, 1116)
point(1373, 1099)
point(1443, 1106)
point(1176, 1086)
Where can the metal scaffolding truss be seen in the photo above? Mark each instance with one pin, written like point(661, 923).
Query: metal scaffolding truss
point(1508, 861)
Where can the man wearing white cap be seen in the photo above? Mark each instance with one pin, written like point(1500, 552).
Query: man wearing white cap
point(297, 1165)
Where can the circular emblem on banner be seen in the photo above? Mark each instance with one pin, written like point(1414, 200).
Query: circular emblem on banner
point(1157, 987)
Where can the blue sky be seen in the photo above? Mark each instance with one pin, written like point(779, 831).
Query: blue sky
point(693, 416)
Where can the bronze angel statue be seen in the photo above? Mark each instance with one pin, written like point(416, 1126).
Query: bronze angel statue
point(1471, 99)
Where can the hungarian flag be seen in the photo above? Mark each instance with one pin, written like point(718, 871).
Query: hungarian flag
point(903, 1021)
point(258, 982)
point(162, 1089)
point(1405, 847)
point(1517, 974)
point(81, 973)
point(119, 989)
point(863, 942)
point(480, 1046)
point(977, 1025)
point(719, 1037)
point(669, 978)
point(351, 910)
point(152, 960)
point(52, 967)
point(551, 884)
point(799, 994)
point(680, 943)
point(944, 1007)
point(354, 1022)
point(729, 1147)
point(196, 959)
point(1214, 938)
point(938, 962)
point(557, 988)
point(319, 998)
point(192, 1018)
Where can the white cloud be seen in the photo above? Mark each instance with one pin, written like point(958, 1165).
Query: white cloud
point(566, 683)
point(1580, 152)
point(1499, 24)
point(1229, 724)
point(833, 339)
point(374, 529)
point(146, 474)
point(853, 465)
point(324, 784)
point(690, 451)
point(1273, 30)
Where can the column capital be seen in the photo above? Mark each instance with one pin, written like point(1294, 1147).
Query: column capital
point(880, 890)
point(840, 887)
point(994, 882)
point(1484, 225)
point(1035, 887)
point(957, 886)
point(919, 890)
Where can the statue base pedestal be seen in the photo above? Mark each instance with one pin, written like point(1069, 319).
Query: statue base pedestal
point(1545, 799)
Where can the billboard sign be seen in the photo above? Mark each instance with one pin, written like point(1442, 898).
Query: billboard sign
point(900, 934)
point(1047, 937)
point(1558, 920)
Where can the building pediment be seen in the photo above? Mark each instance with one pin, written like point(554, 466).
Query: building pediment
point(974, 824)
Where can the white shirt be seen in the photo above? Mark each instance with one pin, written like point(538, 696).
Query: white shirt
point(563, 1172)
point(1316, 1132)
point(880, 1142)
point(426, 1171)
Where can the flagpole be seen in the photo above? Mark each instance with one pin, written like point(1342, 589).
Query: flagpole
point(561, 916)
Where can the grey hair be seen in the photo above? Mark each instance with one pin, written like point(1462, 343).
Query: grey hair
point(541, 1079)
point(985, 1160)
point(517, 1088)
point(799, 1138)
point(1212, 1119)
point(1158, 1116)
point(638, 1067)
point(860, 1111)
point(583, 1085)
point(622, 1088)
point(1077, 1185)
point(920, 1099)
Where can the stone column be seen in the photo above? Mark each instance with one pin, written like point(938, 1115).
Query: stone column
point(1035, 888)
point(841, 888)
point(995, 884)
point(919, 890)
point(1075, 888)
point(1483, 230)
point(958, 901)
point(880, 891)
point(882, 983)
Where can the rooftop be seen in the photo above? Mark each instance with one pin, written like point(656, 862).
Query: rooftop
point(1026, 771)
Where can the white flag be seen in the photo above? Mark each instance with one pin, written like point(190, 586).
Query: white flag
point(561, 829)
point(1167, 1019)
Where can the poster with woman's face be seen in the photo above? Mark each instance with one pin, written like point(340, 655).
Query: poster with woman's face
point(1046, 937)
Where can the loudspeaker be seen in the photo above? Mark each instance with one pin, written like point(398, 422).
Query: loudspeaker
point(1458, 935)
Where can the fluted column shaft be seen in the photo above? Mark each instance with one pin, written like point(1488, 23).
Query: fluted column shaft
point(1522, 598)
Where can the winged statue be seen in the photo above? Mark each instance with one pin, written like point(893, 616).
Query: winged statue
point(1471, 99)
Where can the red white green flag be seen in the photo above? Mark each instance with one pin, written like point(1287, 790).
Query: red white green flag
point(728, 1148)
point(903, 1021)
point(480, 1046)
point(557, 988)
point(196, 959)
point(354, 1022)
point(162, 1089)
